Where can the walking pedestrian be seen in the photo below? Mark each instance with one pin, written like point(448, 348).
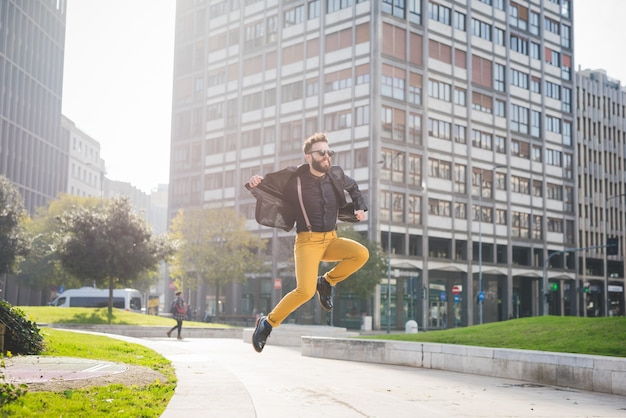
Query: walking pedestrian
point(313, 197)
point(178, 310)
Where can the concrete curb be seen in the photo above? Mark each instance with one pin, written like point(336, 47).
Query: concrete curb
point(585, 372)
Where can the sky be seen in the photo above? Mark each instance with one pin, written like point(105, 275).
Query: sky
point(117, 84)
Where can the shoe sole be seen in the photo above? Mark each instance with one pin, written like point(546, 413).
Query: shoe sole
point(319, 296)
point(256, 325)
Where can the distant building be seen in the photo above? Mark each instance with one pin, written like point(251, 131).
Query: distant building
point(33, 153)
point(86, 172)
point(601, 119)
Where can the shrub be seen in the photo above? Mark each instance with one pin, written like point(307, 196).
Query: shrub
point(21, 336)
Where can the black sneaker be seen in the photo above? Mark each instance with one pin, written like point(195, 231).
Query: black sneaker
point(261, 332)
point(325, 293)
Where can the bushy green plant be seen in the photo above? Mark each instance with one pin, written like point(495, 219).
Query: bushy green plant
point(21, 335)
point(9, 392)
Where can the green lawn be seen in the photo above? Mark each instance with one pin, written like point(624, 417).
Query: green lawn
point(567, 334)
point(100, 401)
point(94, 316)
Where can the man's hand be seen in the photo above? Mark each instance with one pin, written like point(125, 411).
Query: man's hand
point(254, 181)
point(360, 214)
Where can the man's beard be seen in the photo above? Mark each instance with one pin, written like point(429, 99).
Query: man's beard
point(317, 165)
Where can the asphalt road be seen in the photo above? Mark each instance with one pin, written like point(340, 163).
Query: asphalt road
point(227, 378)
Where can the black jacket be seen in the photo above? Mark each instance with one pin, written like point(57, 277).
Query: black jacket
point(272, 209)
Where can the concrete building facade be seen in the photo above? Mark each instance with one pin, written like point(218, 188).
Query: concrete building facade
point(601, 122)
point(86, 172)
point(455, 117)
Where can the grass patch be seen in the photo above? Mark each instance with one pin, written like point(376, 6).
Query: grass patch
point(99, 401)
point(564, 334)
point(99, 316)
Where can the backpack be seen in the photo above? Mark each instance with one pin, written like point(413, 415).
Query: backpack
point(173, 309)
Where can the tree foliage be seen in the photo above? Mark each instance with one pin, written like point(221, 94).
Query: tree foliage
point(364, 281)
point(13, 241)
point(42, 266)
point(214, 247)
point(110, 245)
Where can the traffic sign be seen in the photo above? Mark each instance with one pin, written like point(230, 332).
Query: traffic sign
point(456, 289)
point(481, 296)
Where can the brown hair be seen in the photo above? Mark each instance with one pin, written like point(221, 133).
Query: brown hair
point(316, 137)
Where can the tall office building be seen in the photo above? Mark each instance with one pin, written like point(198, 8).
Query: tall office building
point(455, 117)
point(33, 153)
point(601, 121)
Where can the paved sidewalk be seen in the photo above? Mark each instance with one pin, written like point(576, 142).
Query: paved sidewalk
point(227, 378)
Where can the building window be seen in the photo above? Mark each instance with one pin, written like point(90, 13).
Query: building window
point(336, 5)
point(519, 118)
point(415, 129)
point(439, 90)
point(415, 170)
point(460, 96)
point(460, 134)
point(460, 210)
point(459, 21)
point(393, 82)
point(481, 29)
point(293, 16)
point(459, 178)
point(535, 123)
point(439, 129)
point(555, 225)
point(439, 169)
point(519, 44)
point(362, 115)
point(394, 7)
point(439, 13)
point(499, 77)
point(521, 225)
point(314, 9)
point(414, 210)
point(415, 11)
point(499, 108)
point(482, 139)
point(520, 185)
point(553, 90)
point(415, 89)
point(500, 144)
point(501, 217)
point(553, 124)
point(438, 207)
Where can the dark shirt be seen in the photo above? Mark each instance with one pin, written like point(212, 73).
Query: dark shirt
point(320, 202)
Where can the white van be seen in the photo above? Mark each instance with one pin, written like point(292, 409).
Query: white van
point(91, 297)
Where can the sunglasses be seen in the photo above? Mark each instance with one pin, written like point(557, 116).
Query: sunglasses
point(323, 152)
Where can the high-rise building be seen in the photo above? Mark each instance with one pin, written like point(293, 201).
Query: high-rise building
point(601, 122)
point(456, 118)
point(33, 153)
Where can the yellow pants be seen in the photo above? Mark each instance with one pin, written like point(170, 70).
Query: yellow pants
point(310, 249)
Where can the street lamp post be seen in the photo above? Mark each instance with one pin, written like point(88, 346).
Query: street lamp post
point(606, 249)
point(480, 237)
point(389, 245)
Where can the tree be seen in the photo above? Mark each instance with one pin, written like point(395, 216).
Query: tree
point(109, 244)
point(364, 281)
point(13, 241)
point(214, 247)
point(42, 267)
